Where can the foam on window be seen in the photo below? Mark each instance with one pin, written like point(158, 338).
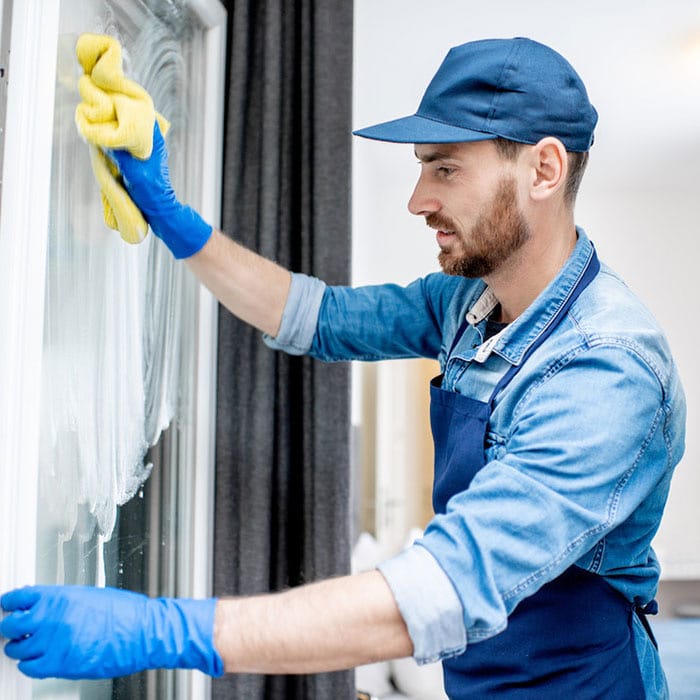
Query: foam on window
point(118, 343)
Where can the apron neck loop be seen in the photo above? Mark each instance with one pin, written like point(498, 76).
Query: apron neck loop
point(589, 272)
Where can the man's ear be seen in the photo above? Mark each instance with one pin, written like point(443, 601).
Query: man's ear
point(549, 168)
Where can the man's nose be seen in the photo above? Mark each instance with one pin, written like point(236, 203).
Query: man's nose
point(422, 201)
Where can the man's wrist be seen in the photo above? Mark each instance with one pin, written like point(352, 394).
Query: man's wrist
point(191, 635)
point(184, 231)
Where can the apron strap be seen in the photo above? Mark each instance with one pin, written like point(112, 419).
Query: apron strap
point(590, 271)
point(460, 333)
point(642, 611)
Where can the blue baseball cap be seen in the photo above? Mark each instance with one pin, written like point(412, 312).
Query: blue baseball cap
point(517, 89)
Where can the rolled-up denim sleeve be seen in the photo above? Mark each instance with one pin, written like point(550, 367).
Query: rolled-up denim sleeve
point(428, 604)
point(573, 470)
point(377, 322)
point(300, 316)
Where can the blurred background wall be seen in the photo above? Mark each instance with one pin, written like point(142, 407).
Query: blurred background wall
point(638, 202)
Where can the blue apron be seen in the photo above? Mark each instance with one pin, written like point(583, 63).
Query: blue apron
point(574, 635)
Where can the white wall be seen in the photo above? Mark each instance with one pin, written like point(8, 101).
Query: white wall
point(639, 199)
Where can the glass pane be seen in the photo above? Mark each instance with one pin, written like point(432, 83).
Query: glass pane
point(118, 338)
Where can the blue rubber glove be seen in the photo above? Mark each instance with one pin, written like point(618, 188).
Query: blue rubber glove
point(180, 227)
point(79, 632)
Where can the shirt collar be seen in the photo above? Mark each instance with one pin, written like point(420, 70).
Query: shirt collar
point(483, 307)
point(513, 341)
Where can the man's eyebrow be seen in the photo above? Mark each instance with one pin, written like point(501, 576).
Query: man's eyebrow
point(431, 156)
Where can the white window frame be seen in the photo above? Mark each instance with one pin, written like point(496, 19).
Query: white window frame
point(24, 211)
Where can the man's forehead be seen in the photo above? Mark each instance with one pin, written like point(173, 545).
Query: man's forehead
point(429, 152)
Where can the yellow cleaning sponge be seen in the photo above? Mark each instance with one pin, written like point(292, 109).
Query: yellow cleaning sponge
point(115, 113)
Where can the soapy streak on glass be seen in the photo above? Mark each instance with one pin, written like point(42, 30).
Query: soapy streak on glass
point(116, 315)
point(119, 344)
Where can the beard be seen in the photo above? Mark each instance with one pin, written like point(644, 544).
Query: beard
point(500, 230)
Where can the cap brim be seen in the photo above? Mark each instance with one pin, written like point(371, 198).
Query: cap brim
point(416, 129)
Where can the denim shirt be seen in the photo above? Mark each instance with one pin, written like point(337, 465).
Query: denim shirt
point(580, 448)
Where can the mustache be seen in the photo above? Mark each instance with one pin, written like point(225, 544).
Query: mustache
point(442, 223)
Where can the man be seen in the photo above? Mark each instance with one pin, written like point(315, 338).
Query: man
point(558, 420)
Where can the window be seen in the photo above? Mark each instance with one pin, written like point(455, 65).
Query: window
point(105, 345)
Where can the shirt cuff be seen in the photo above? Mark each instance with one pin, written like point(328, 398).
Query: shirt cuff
point(300, 315)
point(428, 604)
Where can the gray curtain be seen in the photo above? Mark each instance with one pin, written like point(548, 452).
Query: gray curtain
point(282, 481)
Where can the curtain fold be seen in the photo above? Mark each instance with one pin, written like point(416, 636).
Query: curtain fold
point(282, 451)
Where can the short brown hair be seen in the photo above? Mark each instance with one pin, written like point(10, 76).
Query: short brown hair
point(577, 165)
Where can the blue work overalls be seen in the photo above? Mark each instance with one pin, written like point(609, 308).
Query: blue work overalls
point(572, 639)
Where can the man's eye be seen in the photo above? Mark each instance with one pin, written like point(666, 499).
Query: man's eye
point(445, 170)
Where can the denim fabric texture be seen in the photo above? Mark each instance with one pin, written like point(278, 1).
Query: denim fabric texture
point(580, 448)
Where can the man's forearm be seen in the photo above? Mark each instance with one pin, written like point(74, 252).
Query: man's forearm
point(335, 624)
point(248, 285)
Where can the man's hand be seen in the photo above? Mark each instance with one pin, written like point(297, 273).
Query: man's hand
point(251, 287)
point(180, 227)
point(83, 632)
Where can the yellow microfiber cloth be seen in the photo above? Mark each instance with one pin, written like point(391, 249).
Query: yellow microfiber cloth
point(115, 113)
